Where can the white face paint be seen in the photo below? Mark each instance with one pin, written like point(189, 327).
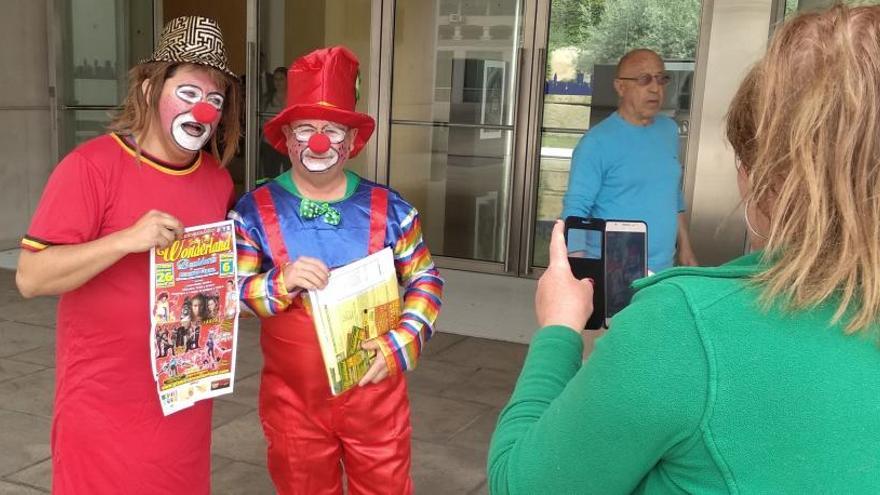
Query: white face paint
point(298, 145)
point(186, 130)
point(189, 134)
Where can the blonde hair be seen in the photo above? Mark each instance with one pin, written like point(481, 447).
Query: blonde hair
point(804, 125)
point(136, 113)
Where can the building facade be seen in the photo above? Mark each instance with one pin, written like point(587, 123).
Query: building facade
point(478, 104)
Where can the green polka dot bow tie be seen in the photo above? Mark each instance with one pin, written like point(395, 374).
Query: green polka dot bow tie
point(309, 209)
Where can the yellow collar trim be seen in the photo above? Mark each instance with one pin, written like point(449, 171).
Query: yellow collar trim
point(39, 246)
point(158, 166)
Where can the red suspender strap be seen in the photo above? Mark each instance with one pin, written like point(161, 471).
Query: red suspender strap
point(269, 217)
point(378, 218)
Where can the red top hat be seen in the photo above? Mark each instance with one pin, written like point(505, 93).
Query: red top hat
point(322, 86)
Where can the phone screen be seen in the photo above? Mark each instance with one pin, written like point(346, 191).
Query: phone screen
point(584, 239)
point(625, 262)
point(584, 243)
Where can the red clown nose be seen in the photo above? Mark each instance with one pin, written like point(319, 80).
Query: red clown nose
point(319, 143)
point(204, 113)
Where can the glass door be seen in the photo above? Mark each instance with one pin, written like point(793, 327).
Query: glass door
point(457, 69)
point(95, 44)
point(490, 97)
point(585, 39)
point(288, 29)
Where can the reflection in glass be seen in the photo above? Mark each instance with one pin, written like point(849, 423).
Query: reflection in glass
point(290, 29)
point(461, 69)
point(98, 52)
point(794, 6)
point(93, 60)
point(586, 40)
point(556, 149)
point(81, 125)
point(96, 55)
point(270, 163)
point(455, 63)
point(583, 243)
point(457, 189)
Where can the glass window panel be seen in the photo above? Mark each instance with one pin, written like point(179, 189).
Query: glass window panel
point(459, 186)
point(455, 63)
point(794, 6)
point(474, 7)
point(586, 40)
point(502, 7)
point(102, 39)
point(93, 57)
point(446, 65)
point(554, 165)
point(446, 7)
point(270, 163)
point(292, 28)
point(81, 125)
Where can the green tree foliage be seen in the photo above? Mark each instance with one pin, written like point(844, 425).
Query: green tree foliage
point(669, 27)
point(603, 30)
point(570, 20)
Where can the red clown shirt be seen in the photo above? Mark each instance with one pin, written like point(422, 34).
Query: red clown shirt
point(108, 431)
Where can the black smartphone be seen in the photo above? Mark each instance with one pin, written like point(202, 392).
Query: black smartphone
point(585, 242)
point(626, 260)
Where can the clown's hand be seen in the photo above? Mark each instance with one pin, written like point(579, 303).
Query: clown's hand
point(379, 369)
point(154, 229)
point(305, 273)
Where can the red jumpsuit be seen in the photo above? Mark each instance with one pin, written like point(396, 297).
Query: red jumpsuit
point(313, 436)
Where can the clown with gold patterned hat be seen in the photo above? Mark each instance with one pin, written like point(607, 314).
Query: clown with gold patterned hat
point(112, 199)
point(289, 234)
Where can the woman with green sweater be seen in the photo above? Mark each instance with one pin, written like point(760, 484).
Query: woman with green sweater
point(759, 376)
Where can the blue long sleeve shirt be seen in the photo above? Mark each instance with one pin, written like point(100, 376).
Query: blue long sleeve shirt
point(620, 171)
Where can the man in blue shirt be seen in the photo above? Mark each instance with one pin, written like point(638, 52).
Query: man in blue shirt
point(627, 168)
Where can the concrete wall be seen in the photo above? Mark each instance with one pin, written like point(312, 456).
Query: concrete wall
point(25, 127)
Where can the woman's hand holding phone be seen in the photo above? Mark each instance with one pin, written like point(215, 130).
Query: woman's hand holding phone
point(562, 299)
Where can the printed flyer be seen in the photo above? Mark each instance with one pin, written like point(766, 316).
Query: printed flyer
point(194, 301)
point(360, 302)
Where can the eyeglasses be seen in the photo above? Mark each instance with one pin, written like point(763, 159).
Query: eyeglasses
point(303, 132)
point(645, 79)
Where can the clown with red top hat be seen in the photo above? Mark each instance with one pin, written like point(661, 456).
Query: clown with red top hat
point(290, 232)
point(109, 201)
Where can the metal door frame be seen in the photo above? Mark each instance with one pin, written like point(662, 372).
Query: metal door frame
point(532, 126)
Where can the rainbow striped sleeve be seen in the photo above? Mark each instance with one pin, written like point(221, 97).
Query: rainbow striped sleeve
point(421, 298)
point(264, 293)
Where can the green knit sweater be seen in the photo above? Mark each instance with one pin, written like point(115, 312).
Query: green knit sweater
point(695, 389)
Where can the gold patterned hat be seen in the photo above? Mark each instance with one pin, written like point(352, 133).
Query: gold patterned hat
point(192, 40)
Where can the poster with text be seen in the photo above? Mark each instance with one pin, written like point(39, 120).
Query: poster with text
point(194, 308)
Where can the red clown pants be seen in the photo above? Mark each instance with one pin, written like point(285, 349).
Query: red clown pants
point(312, 435)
